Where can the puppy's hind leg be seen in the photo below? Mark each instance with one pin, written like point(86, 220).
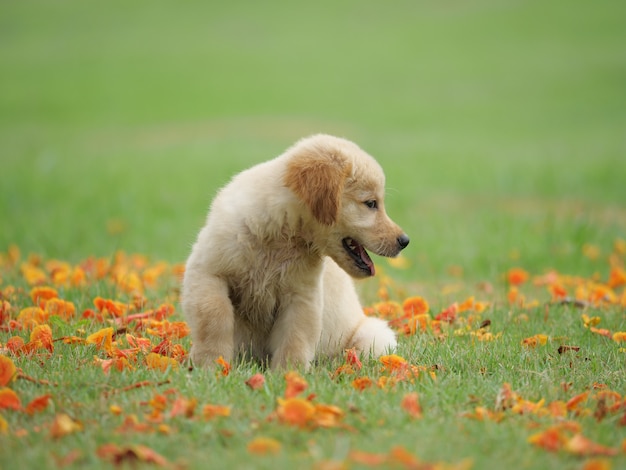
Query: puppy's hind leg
point(211, 317)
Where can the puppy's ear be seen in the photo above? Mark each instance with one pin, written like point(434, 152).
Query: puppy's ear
point(318, 178)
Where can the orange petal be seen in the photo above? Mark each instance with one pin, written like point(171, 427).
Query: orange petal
point(295, 384)
point(410, 404)
point(212, 411)
point(362, 383)
point(9, 399)
point(37, 404)
point(42, 337)
point(295, 411)
point(158, 362)
point(327, 416)
point(103, 339)
point(264, 446)
point(40, 295)
point(64, 425)
point(7, 370)
point(580, 445)
point(352, 358)
point(573, 402)
point(517, 276)
point(415, 305)
point(367, 458)
point(224, 364)
point(256, 382)
point(393, 363)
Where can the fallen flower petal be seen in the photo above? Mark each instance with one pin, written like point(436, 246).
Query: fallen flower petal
point(7, 370)
point(415, 306)
point(15, 344)
point(327, 416)
point(619, 336)
point(41, 294)
point(573, 402)
point(580, 445)
point(517, 276)
point(295, 411)
point(30, 317)
point(9, 399)
point(393, 363)
point(64, 425)
point(295, 384)
point(362, 383)
point(61, 308)
point(264, 446)
point(158, 362)
point(535, 340)
point(213, 411)
point(410, 404)
point(352, 358)
point(367, 458)
point(41, 337)
point(130, 455)
point(256, 382)
point(597, 464)
point(103, 339)
point(224, 365)
point(37, 404)
point(552, 439)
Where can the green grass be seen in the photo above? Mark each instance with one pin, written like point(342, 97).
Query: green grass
point(500, 126)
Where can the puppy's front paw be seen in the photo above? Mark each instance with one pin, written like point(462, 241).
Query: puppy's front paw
point(373, 336)
point(205, 357)
point(286, 358)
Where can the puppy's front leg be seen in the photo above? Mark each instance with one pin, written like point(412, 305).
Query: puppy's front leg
point(210, 315)
point(297, 331)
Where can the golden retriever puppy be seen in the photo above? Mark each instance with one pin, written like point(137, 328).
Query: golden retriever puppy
point(269, 274)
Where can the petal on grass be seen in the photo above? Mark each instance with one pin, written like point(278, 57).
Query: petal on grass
point(362, 383)
point(215, 411)
point(295, 411)
point(264, 446)
point(7, 370)
point(40, 295)
point(157, 362)
point(37, 404)
point(224, 365)
point(410, 404)
point(295, 384)
point(63, 424)
point(256, 382)
point(517, 276)
point(415, 306)
point(9, 400)
point(103, 339)
point(367, 458)
point(130, 455)
point(393, 363)
point(352, 358)
point(580, 445)
point(327, 416)
point(41, 337)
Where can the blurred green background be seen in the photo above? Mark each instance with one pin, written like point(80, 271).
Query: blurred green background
point(501, 124)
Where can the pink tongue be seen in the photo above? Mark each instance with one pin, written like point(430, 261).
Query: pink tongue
point(366, 259)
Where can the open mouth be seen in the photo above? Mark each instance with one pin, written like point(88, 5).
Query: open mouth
point(361, 259)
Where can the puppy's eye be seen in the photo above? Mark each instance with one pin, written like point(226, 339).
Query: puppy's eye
point(372, 204)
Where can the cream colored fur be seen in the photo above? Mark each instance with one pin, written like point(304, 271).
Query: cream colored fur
point(268, 276)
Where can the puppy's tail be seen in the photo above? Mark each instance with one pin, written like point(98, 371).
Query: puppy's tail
point(373, 336)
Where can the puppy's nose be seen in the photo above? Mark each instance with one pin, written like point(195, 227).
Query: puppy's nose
point(403, 241)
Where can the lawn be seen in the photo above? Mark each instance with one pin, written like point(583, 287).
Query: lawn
point(500, 126)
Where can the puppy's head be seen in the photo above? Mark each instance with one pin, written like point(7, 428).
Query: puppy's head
point(343, 188)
